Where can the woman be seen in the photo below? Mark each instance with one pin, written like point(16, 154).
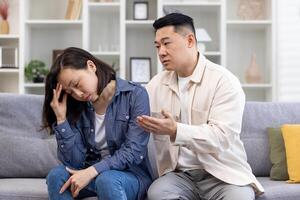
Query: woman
point(93, 116)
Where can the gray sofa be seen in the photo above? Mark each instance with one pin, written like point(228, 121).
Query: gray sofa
point(28, 154)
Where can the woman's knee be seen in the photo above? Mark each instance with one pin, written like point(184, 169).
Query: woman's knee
point(108, 179)
point(57, 174)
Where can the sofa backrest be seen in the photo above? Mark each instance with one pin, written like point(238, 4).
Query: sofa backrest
point(21, 115)
point(26, 151)
point(258, 116)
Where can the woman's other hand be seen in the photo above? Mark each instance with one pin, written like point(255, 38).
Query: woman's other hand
point(78, 180)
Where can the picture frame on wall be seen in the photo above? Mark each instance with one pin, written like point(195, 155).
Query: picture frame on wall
point(140, 10)
point(140, 69)
point(8, 57)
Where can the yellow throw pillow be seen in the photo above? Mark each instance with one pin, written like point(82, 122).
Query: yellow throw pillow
point(291, 137)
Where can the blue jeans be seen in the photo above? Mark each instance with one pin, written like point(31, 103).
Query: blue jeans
point(109, 185)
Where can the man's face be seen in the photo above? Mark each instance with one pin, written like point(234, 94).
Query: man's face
point(171, 47)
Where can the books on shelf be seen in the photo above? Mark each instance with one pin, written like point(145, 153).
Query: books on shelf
point(73, 9)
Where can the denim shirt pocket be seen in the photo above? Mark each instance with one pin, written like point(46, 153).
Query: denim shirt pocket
point(122, 119)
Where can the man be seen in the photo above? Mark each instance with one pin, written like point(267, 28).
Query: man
point(197, 137)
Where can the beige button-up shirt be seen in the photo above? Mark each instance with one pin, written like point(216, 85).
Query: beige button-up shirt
point(215, 116)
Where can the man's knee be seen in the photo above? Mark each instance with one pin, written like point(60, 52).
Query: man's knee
point(155, 190)
point(169, 187)
point(238, 192)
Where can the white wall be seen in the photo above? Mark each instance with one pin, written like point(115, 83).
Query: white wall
point(288, 52)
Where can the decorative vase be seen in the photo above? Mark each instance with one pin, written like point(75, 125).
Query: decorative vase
point(253, 74)
point(4, 27)
point(251, 9)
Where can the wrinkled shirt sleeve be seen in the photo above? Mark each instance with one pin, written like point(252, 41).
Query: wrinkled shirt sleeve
point(134, 148)
point(68, 151)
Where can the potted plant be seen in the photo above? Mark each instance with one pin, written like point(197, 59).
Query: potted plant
point(36, 71)
point(4, 26)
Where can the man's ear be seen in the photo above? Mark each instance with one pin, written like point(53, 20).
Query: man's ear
point(91, 65)
point(191, 39)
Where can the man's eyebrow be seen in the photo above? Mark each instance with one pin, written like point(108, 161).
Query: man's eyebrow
point(162, 39)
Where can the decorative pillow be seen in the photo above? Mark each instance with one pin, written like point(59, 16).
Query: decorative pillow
point(291, 136)
point(28, 157)
point(277, 155)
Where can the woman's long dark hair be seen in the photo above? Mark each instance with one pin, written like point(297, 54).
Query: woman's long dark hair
point(72, 58)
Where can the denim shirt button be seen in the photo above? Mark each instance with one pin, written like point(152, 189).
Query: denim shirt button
point(91, 150)
point(127, 117)
point(141, 157)
point(62, 146)
point(92, 130)
point(63, 130)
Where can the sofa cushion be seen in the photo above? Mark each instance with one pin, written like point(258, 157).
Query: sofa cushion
point(278, 190)
point(25, 189)
point(277, 155)
point(257, 117)
point(291, 136)
point(26, 157)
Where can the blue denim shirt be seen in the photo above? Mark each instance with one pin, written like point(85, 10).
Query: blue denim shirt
point(127, 141)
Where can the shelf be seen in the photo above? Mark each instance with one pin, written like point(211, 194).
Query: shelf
point(53, 23)
point(212, 53)
point(105, 53)
point(34, 85)
point(6, 70)
point(139, 23)
point(250, 22)
point(11, 36)
point(249, 25)
point(106, 7)
point(257, 86)
point(192, 4)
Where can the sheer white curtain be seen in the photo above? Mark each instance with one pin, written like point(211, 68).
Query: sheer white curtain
point(288, 52)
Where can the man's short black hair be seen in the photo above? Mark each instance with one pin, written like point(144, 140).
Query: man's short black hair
point(177, 20)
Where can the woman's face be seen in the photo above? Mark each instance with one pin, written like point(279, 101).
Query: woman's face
point(81, 84)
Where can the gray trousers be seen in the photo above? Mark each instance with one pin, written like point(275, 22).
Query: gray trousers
point(195, 185)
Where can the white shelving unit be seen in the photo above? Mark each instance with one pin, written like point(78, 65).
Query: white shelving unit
point(247, 37)
point(9, 77)
point(108, 31)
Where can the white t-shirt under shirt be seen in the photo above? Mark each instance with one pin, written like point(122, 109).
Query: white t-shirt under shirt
point(100, 138)
point(187, 160)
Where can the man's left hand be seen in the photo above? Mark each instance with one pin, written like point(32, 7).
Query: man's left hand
point(160, 126)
